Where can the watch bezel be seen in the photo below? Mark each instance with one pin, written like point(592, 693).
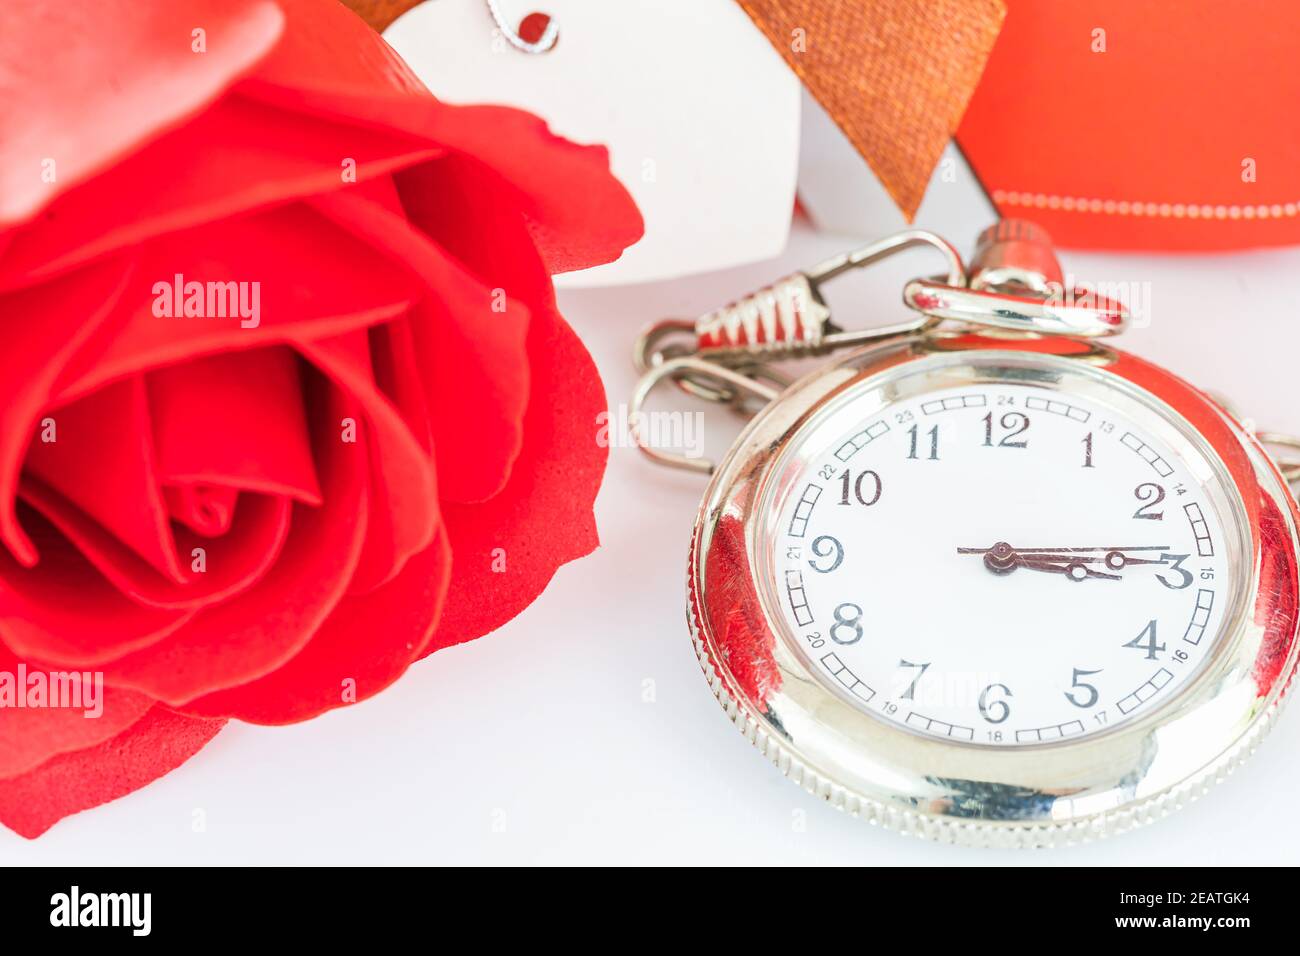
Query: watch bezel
point(1041, 794)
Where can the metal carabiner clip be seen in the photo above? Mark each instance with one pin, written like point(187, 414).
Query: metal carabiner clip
point(786, 319)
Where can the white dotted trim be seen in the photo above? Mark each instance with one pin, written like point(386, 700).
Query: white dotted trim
point(1156, 210)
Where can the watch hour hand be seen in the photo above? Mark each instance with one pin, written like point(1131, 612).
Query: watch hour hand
point(1072, 567)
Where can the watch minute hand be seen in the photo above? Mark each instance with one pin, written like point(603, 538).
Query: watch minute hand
point(1002, 558)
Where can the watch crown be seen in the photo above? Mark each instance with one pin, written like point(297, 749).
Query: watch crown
point(1015, 254)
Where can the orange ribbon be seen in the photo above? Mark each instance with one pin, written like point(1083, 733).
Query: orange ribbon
point(894, 75)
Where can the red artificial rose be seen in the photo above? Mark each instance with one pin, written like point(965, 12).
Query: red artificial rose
point(285, 400)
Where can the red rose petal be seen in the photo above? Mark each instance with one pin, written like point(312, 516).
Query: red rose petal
point(232, 562)
point(257, 631)
point(64, 612)
point(476, 369)
point(102, 461)
point(399, 376)
point(217, 167)
point(367, 643)
point(86, 84)
point(314, 280)
point(332, 64)
point(403, 511)
point(71, 313)
point(472, 343)
point(235, 420)
point(476, 386)
point(206, 509)
point(30, 736)
point(156, 744)
point(543, 517)
point(578, 214)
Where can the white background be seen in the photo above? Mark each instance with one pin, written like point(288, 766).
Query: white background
point(535, 745)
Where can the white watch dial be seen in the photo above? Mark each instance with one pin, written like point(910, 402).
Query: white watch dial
point(999, 564)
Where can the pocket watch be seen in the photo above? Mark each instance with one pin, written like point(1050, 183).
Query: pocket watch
point(983, 577)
